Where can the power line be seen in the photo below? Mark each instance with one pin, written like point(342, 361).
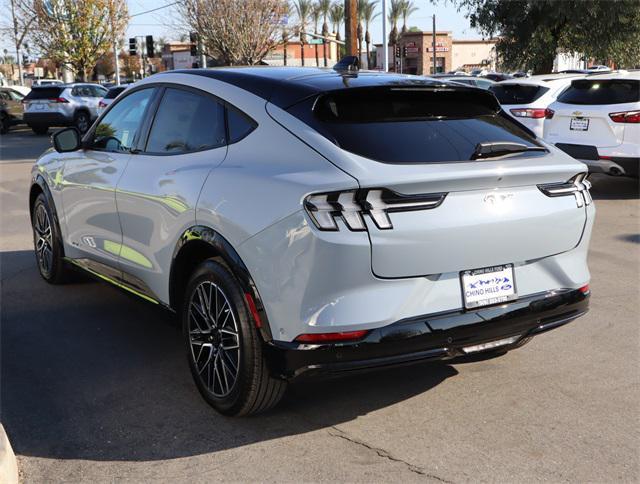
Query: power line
point(154, 9)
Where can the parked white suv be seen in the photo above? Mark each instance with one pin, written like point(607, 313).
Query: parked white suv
point(304, 221)
point(62, 105)
point(597, 120)
point(526, 99)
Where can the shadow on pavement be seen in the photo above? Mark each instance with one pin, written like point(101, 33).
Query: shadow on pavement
point(89, 373)
point(606, 187)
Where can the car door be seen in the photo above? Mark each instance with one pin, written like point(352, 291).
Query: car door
point(89, 181)
point(14, 103)
point(158, 192)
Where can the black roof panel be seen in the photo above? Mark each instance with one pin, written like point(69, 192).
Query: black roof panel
point(284, 86)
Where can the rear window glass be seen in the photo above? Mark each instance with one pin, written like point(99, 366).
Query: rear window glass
point(592, 91)
point(113, 92)
point(517, 93)
point(44, 93)
point(410, 126)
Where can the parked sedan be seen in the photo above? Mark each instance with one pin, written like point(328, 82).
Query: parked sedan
point(597, 120)
point(10, 108)
point(301, 222)
point(62, 105)
point(527, 99)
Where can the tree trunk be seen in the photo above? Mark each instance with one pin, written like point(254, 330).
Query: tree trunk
point(544, 65)
point(302, 53)
point(317, 56)
point(284, 50)
point(368, 56)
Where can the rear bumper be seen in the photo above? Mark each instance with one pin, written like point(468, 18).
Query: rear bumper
point(431, 337)
point(47, 119)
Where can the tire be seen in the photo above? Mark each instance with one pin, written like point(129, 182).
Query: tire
point(82, 121)
point(40, 129)
point(5, 123)
point(234, 381)
point(47, 243)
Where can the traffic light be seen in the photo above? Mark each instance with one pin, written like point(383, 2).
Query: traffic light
point(133, 46)
point(193, 38)
point(397, 51)
point(404, 51)
point(149, 41)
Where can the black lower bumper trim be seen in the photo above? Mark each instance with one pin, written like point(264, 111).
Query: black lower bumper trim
point(431, 337)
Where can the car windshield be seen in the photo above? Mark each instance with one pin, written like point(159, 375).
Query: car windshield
point(517, 93)
point(418, 125)
point(605, 91)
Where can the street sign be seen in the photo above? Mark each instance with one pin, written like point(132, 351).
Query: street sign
point(315, 41)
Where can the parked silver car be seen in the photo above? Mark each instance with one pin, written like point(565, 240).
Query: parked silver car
point(10, 108)
point(62, 105)
point(303, 221)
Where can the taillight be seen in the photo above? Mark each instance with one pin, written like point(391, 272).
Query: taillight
point(625, 117)
point(534, 113)
point(351, 206)
point(548, 113)
point(578, 186)
point(102, 105)
point(331, 337)
point(585, 289)
point(58, 100)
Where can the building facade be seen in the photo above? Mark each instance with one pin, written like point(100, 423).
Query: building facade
point(417, 53)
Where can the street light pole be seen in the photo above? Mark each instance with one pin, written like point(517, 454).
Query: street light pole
point(385, 41)
point(434, 43)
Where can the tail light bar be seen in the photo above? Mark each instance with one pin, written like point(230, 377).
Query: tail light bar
point(534, 113)
point(58, 100)
point(548, 113)
point(626, 117)
point(578, 186)
point(352, 205)
point(102, 104)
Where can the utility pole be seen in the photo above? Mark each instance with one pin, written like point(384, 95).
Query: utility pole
point(385, 41)
point(434, 43)
point(351, 27)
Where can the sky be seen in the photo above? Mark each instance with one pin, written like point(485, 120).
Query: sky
point(162, 22)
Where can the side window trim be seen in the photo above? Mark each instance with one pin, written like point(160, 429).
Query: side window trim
point(141, 138)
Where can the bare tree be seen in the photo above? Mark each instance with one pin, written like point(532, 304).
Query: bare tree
point(239, 32)
point(21, 20)
point(75, 34)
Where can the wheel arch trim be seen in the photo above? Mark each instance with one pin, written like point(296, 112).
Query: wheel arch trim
point(39, 181)
point(205, 235)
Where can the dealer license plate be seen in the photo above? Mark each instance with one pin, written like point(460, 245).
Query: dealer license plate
point(579, 124)
point(490, 285)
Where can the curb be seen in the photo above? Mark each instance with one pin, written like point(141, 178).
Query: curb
point(8, 464)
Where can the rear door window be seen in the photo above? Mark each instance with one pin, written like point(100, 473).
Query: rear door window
point(518, 93)
point(606, 91)
point(186, 122)
point(239, 124)
point(410, 126)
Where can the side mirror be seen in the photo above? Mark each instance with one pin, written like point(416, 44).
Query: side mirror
point(66, 140)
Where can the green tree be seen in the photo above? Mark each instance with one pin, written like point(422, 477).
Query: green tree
point(75, 34)
point(315, 19)
point(303, 9)
point(336, 15)
point(324, 6)
point(368, 16)
point(395, 12)
point(407, 8)
point(532, 32)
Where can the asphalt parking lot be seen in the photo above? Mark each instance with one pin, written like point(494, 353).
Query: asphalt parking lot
point(95, 386)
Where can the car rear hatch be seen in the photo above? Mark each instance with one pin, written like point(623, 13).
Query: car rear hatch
point(449, 182)
point(583, 113)
point(42, 99)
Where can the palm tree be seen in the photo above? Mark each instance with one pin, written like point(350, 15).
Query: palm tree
point(315, 18)
point(324, 6)
point(360, 6)
point(368, 16)
point(285, 32)
point(336, 15)
point(407, 8)
point(395, 12)
point(303, 9)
